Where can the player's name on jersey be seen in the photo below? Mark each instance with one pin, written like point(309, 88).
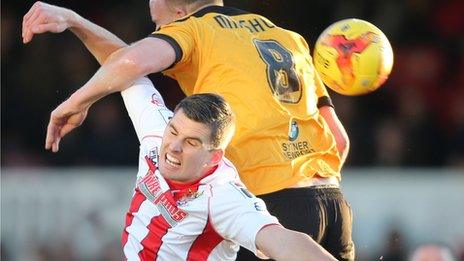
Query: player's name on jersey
point(254, 25)
point(292, 150)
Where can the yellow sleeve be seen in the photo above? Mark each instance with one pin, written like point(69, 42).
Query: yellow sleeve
point(180, 35)
point(321, 91)
point(320, 87)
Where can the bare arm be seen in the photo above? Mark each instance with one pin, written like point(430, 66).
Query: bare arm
point(280, 243)
point(337, 129)
point(118, 72)
point(44, 17)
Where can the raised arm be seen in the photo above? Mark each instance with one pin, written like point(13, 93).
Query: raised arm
point(280, 243)
point(118, 72)
point(43, 17)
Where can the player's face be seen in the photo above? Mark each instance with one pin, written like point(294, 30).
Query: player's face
point(162, 13)
point(185, 153)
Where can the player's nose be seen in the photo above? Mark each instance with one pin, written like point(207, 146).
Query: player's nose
point(175, 145)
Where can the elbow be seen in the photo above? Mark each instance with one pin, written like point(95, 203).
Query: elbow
point(343, 145)
point(145, 57)
point(129, 61)
point(120, 70)
point(133, 64)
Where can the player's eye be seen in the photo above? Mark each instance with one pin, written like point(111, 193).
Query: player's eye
point(193, 143)
point(173, 132)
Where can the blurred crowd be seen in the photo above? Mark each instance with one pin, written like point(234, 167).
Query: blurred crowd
point(396, 248)
point(415, 120)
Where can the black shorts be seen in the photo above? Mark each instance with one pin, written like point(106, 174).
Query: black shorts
point(321, 212)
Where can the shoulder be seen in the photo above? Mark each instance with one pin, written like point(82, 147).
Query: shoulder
point(235, 212)
point(231, 190)
point(233, 196)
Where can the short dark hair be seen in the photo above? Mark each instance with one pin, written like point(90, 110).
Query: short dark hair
point(212, 110)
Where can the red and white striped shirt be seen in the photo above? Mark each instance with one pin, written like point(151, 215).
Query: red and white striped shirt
point(206, 220)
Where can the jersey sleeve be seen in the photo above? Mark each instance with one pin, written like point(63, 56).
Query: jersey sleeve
point(180, 35)
point(321, 92)
point(149, 115)
point(323, 98)
point(146, 109)
point(238, 216)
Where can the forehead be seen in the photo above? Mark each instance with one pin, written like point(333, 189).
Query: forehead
point(188, 127)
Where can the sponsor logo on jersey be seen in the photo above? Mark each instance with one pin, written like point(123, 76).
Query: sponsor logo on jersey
point(150, 187)
point(293, 150)
point(169, 210)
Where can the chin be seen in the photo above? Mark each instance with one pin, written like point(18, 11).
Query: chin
point(166, 172)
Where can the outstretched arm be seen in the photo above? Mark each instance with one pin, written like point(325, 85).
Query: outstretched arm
point(280, 243)
point(43, 17)
point(121, 64)
point(118, 72)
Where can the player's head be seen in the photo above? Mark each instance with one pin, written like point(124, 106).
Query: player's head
point(432, 252)
point(196, 137)
point(166, 11)
point(213, 111)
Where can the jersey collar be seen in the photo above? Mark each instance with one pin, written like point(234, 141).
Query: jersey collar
point(179, 190)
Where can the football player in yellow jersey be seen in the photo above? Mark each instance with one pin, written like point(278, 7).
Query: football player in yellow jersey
point(289, 145)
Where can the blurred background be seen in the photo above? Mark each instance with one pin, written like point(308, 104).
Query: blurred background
point(405, 172)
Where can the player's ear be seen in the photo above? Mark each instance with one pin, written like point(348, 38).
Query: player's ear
point(216, 157)
point(181, 11)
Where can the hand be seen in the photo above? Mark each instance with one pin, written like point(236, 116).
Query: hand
point(63, 119)
point(43, 18)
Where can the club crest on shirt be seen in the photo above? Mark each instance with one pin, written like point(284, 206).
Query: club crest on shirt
point(293, 131)
point(189, 197)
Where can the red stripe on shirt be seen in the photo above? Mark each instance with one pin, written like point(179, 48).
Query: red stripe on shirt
point(134, 207)
point(157, 228)
point(151, 164)
point(204, 244)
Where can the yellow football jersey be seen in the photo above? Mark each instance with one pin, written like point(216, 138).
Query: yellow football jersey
point(266, 73)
